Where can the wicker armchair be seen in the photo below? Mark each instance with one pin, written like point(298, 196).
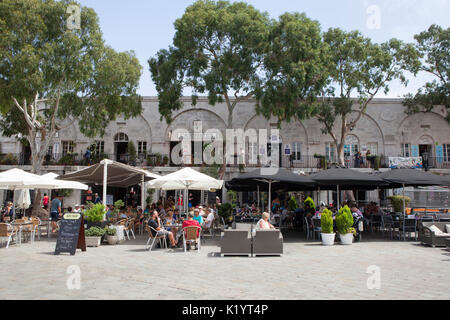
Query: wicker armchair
point(428, 237)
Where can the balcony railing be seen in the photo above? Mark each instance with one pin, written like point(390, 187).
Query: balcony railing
point(153, 160)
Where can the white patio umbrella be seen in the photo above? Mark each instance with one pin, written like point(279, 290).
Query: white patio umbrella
point(65, 184)
point(186, 179)
point(22, 199)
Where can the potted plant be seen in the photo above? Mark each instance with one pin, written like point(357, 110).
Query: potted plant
point(344, 224)
point(327, 228)
point(158, 159)
point(94, 215)
point(292, 204)
point(165, 160)
point(225, 211)
point(309, 205)
point(397, 203)
point(111, 236)
point(94, 236)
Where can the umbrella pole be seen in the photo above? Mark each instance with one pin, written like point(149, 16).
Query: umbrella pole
point(404, 202)
point(142, 193)
point(338, 199)
point(14, 204)
point(270, 198)
point(318, 196)
point(258, 199)
point(105, 182)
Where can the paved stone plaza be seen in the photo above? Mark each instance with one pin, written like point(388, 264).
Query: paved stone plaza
point(307, 270)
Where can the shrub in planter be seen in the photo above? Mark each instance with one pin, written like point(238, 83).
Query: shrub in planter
point(94, 215)
point(397, 203)
point(94, 236)
point(344, 225)
point(225, 211)
point(327, 228)
point(111, 236)
point(292, 204)
point(309, 205)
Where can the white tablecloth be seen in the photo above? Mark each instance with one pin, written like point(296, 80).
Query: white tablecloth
point(120, 232)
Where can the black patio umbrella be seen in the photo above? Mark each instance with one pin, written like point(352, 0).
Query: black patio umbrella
point(271, 179)
point(346, 179)
point(398, 178)
point(401, 178)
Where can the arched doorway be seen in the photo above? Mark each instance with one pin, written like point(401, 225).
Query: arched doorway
point(121, 147)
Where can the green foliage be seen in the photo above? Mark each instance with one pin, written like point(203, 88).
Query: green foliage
point(110, 231)
point(225, 210)
point(95, 213)
point(74, 72)
point(158, 158)
point(292, 204)
point(8, 159)
point(344, 221)
point(433, 47)
point(218, 49)
point(327, 221)
point(358, 68)
point(232, 197)
point(65, 193)
point(296, 67)
point(131, 149)
point(165, 160)
point(309, 204)
point(95, 232)
point(397, 202)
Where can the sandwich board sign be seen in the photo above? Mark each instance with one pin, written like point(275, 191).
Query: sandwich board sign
point(71, 234)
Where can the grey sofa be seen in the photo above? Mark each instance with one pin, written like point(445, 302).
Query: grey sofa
point(268, 242)
point(236, 243)
point(426, 236)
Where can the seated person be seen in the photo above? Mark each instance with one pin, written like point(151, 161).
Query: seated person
point(198, 217)
point(169, 222)
point(189, 223)
point(356, 212)
point(123, 215)
point(264, 223)
point(209, 219)
point(157, 230)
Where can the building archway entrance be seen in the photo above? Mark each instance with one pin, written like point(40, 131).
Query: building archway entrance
point(121, 147)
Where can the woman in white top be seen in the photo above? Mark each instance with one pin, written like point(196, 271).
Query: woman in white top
point(264, 223)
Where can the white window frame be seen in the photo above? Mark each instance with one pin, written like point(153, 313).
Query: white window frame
point(68, 146)
point(406, 153)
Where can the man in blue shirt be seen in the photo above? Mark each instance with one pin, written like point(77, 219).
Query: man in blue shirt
point(97, 199)
point(55, 212)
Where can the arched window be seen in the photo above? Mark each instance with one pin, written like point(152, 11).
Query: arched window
point(121, 137)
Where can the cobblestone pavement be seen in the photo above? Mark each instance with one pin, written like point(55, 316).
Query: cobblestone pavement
point(307, 270)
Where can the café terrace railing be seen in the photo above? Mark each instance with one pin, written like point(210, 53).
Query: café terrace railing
point(156, 160)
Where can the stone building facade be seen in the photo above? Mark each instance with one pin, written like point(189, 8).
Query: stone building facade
point(384, 130)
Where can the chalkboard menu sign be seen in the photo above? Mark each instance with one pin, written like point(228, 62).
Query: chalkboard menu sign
point(211, 197)
point(71, 234)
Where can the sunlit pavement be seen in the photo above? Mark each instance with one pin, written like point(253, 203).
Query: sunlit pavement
point(307, 270)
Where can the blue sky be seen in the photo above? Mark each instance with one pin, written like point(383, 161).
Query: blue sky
point(146, 26)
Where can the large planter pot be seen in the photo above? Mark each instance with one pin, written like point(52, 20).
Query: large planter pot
point(328, 239)
point(93, 241)
point(112, 240)
point(346, 239)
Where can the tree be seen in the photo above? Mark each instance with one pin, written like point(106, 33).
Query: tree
point(433, 48)
point(234, 53)
point(361, 68)
point(55, 76)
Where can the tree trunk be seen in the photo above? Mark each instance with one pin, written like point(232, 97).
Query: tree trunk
point(340, 153)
